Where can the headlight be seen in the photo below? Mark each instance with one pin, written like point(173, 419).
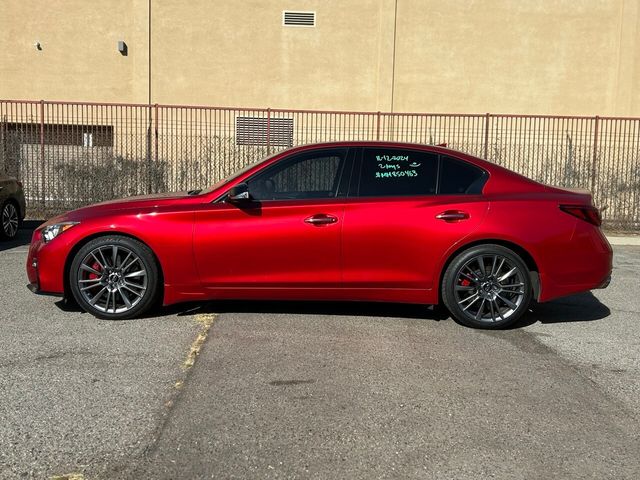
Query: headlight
point(52, 231)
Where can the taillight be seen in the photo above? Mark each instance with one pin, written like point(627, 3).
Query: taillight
point(584, 212)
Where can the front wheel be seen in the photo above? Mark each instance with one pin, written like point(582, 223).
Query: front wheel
point(487, 286)
point(114, 277)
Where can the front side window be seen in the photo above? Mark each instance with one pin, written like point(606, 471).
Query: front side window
point(389, 172)
point(312, 175)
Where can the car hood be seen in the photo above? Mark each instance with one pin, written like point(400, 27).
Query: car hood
point(139, 202)
point(138, 199)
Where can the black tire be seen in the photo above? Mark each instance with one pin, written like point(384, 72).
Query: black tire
point(140, 292)
point(479, 294)
point(10, 220)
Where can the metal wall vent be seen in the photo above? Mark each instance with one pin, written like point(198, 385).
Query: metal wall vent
point(298, 19)
point(262, 131)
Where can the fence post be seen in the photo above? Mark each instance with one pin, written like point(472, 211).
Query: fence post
point(149, 145)
point(43, 181)
point(269, 131)
point(155, 137)
point(487, 119)
point(595, 156)
point(378, 125)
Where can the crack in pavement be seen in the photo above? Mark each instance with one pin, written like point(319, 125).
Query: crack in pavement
point(206, 321)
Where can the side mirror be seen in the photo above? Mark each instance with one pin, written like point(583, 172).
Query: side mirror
point(239, 193)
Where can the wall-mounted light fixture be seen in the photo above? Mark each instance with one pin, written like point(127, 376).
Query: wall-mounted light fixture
point(122, 48)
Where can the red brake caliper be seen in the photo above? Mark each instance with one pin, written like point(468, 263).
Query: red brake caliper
point(95, 266)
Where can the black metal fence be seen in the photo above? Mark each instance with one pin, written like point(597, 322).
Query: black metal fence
point(69, 154)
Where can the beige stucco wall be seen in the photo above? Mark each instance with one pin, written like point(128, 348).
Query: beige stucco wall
point(508, 56)
point(79, 59)
point(562, 56)
point(238, 53)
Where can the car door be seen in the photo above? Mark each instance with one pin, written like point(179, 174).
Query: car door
point(397, 227)
point(287, 236)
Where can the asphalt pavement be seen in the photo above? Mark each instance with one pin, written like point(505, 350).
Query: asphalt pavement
point(308, 390)
point(78, 394)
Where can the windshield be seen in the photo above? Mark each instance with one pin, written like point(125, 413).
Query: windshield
point(236, 174)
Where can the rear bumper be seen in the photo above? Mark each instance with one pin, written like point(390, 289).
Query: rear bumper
point(584, 263)
point(35, 289)
point(23, 205)
point(605, 283)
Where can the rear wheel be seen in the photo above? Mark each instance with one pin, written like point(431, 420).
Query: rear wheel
point(9, 220)
point(487, 286)
point(114, 277)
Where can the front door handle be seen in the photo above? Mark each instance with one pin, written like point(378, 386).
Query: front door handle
point(452, 216)
point(321, 219)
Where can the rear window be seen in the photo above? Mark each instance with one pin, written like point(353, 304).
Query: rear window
point(457, 177)
point(397, 172)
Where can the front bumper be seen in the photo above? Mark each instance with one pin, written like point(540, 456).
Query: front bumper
point(45, 265)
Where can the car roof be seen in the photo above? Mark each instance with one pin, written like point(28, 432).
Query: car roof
point(392, 144)
point(507, 179)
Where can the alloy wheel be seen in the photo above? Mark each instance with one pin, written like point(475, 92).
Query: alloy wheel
point(10, 220)
point(112, 279)
point(489, 288)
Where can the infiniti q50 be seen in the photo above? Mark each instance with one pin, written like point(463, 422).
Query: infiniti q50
point(358, 221)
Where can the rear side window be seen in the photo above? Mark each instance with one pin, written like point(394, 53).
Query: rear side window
point(458, 178)
point(397, 172)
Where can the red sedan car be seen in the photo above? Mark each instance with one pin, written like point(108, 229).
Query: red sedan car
point(370, 221)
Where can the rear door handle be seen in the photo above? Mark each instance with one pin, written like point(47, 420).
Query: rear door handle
point(452, 216)
point(321, 219)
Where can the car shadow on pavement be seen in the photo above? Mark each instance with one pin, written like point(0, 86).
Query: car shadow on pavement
point(23, 237)
point(582, 307)
point(387, 310)
point(371, 309)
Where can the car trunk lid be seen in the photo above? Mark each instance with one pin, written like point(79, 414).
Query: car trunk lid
point(577, 195)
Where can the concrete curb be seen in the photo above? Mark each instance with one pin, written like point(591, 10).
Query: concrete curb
point(624, 240)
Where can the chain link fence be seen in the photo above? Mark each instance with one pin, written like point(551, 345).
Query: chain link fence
point(72, 154)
